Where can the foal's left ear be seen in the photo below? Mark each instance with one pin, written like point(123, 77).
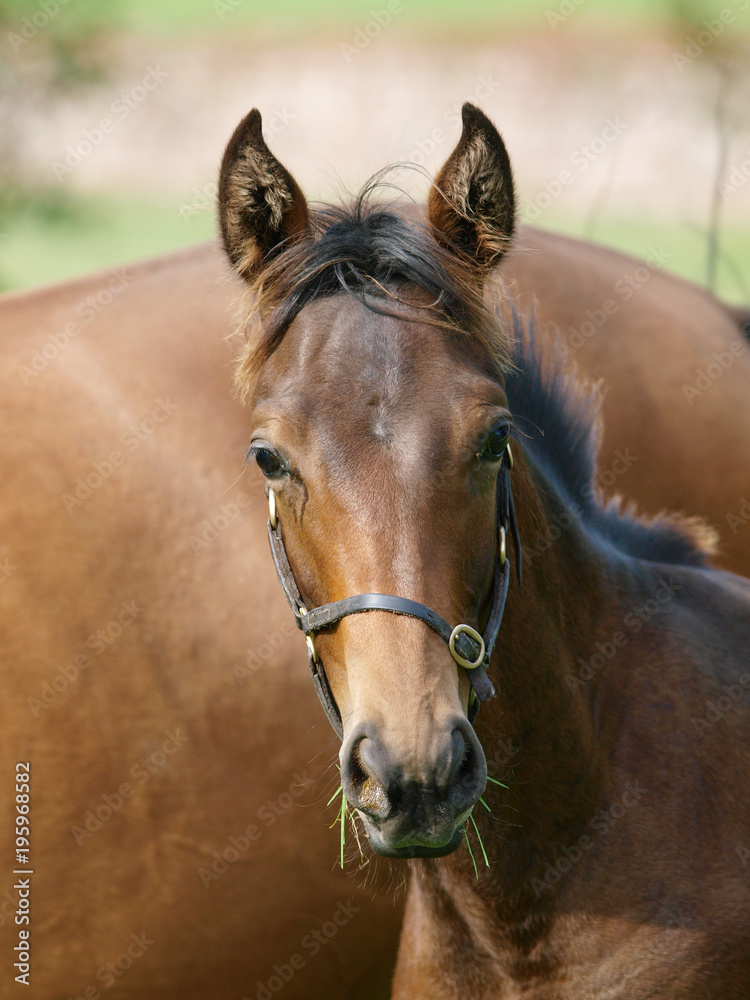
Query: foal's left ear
point(472, 204)
point(261, 206)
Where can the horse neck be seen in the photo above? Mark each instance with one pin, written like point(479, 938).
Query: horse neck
point(540, 733)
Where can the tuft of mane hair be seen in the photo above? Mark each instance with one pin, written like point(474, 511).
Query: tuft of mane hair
point(558, 416)
point(379, 255)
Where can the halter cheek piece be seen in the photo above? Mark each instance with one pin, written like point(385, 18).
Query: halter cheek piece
point(471, 650)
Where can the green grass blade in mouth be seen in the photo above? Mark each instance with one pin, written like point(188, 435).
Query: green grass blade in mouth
point(338, 791)
point(343, 824)
point(471, 854)
point(341, 818)
point(479, 838)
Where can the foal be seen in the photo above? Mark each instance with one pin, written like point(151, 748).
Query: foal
point(383, 390)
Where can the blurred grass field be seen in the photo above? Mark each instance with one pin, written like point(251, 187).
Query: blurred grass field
point(53, 243)
point(289, 16)
point(50, 233)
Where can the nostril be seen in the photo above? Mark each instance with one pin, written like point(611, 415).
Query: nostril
point(357, 774)
point(363, 787)
point(459, 754)
point(469, 768)
point(465, 769)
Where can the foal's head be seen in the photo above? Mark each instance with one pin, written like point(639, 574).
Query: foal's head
point(379, 420)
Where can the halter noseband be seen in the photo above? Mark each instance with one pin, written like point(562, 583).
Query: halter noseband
point(471, 650)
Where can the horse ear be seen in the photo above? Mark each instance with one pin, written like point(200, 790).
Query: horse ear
point(261, 206)
point(472, 204)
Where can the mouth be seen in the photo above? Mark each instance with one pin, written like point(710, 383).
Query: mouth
point(413, 850)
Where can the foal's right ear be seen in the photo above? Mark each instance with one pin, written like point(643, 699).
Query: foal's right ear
point(261, 206)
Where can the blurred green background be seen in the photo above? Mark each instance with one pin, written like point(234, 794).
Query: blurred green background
point(62, 63)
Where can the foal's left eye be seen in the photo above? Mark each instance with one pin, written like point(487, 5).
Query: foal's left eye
point(497, 442)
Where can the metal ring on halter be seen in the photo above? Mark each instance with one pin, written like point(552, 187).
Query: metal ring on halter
point(511, 463)
point(503, 550)
point(309, 639)
point(473, 634)
point(272, 515)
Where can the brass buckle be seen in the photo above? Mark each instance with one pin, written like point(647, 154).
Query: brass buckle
point(511, 463)
point(472, 632)
point(503, 551)
point(272, 515)
point(302, 610)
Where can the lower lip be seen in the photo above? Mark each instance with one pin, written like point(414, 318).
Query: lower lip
point(416, 851)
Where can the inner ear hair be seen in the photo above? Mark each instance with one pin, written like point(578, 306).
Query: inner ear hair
point(261, 206)
point(471, 204)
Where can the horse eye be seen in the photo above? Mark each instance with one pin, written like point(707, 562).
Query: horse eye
point(497, 442)
point(269, 462)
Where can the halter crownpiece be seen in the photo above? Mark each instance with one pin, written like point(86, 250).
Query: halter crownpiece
point(469, 648)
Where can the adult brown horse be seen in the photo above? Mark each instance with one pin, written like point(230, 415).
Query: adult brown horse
point(382, 397)
point(151, 672)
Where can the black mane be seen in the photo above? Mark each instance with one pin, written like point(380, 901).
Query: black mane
point(559, 419)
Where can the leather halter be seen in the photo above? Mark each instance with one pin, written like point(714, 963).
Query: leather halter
point(469, 649)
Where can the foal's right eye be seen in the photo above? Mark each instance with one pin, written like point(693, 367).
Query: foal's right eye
point(269, 462)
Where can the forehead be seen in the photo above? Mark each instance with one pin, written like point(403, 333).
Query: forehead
point(339, 352)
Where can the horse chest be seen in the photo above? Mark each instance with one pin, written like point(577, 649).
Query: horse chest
point(675, 962)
